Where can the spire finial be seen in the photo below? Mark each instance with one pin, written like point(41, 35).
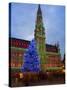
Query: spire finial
point(39, 6)
point(39, 9)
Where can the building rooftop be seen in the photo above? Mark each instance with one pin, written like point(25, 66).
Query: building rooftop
point(24, 44)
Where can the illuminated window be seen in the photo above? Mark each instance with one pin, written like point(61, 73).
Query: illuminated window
point(20, 54)
point(22, 44)
point(19, 65)
point(12, 65)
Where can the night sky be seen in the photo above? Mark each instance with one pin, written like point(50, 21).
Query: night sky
point(23, 18)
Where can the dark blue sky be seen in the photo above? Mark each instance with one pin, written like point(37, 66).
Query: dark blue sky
point(23, 18)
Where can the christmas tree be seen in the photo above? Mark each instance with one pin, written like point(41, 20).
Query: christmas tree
point(31, 59)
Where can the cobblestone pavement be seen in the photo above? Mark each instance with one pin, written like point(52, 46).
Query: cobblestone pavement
point(38, 83)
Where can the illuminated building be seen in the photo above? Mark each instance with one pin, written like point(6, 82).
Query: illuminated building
point(49, 54)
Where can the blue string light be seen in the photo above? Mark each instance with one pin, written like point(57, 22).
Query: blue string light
point(31, 59)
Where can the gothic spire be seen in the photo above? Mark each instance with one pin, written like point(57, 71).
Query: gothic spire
point(39, 16)
point(39, 10)
point(40, 37)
